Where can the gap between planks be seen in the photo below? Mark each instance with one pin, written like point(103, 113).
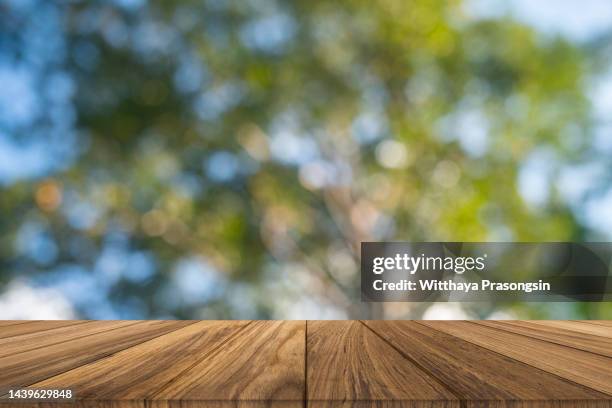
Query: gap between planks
point(446, 386)
point(212, 352)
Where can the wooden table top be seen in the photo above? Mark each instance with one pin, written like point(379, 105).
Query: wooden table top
point(310, 363)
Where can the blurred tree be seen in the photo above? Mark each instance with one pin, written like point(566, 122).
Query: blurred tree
point(226, 158)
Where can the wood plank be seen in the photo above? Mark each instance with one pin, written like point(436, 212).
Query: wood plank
point(77, 404)
point(142, 370)
point(378, 404)
point(29, 367)
point(607, 323)
point(588, 369)
point(581, 341)
point(252, 364)
point(577, 326)
point(264, 363)
point(4, 323)
point(348, 363)
point(34, 340)
point(540, 404)
point(156, 404)
point(19, 329)
point(224, 404)
point(474, 372)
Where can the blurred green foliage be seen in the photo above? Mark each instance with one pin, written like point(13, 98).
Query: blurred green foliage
point(265, 140)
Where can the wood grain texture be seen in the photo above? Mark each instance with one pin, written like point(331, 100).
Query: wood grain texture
point(588, 369)
point(348, 362)
point(10, 346)
point(82, 404)
point(224, 404)
point(474, 372)
point(24, 368)
point(143, 370)
point(606, 323)
point(5, 323)
point(314, 364)
point(265, 362)
point(575, 326)
point(581, 341)
point(21, 328)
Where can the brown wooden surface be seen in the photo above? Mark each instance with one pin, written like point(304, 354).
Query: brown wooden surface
point(349, 362)
point(16, 328)
point(313, 364)
point(263, 362)
point(587, 342)
point(56, 355)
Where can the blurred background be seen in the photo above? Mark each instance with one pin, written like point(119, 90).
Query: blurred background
point(224, 159)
